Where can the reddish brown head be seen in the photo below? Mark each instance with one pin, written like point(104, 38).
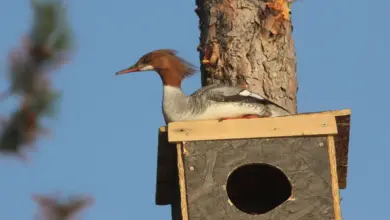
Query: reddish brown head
point(171, 68)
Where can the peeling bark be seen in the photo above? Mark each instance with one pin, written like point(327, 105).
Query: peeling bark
point(249, 43)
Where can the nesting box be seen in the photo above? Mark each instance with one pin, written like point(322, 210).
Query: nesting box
point(287, 168)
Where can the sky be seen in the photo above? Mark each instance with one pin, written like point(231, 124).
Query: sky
point(104, 141)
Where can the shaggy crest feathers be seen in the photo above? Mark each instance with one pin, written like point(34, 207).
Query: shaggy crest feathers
point(168, 59)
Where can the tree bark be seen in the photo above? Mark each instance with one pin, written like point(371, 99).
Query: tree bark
point(249, 43)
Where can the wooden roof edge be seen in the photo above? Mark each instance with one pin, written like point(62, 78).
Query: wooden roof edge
point(286, 126)
point(163, 129)
point(339, 112)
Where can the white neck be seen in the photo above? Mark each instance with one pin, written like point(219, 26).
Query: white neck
point(170, 91)
point(173, 94)
point(175, 102)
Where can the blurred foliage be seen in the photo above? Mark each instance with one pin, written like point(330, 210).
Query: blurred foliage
point(50, 26)
point(43, 49)
point(18, 132)
point(56, 208)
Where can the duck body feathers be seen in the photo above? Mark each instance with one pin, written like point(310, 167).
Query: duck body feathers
point(216, 102)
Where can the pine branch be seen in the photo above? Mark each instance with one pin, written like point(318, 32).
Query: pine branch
point(56, 208)
point(43, 49)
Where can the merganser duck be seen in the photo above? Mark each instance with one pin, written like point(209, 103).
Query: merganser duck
point(213, 102)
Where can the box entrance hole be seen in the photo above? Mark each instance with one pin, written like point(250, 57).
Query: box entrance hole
point(258, 188)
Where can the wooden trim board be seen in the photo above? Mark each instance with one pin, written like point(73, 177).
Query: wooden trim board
point(182, 182)
point(341, 112)
point(287, 126)
point(334, 178)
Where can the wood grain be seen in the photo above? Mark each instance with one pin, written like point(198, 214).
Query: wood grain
point(305, 160)
point(296, 125)
point(182, 182)
point(334, 178)
point(244, 51)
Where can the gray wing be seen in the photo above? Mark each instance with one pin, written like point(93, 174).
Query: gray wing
point(225, 93)
point(205, 89)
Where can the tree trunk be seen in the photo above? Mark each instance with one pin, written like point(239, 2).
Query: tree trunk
point(249, 43)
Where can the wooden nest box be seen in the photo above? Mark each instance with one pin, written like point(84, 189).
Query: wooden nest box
point(287, 168)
